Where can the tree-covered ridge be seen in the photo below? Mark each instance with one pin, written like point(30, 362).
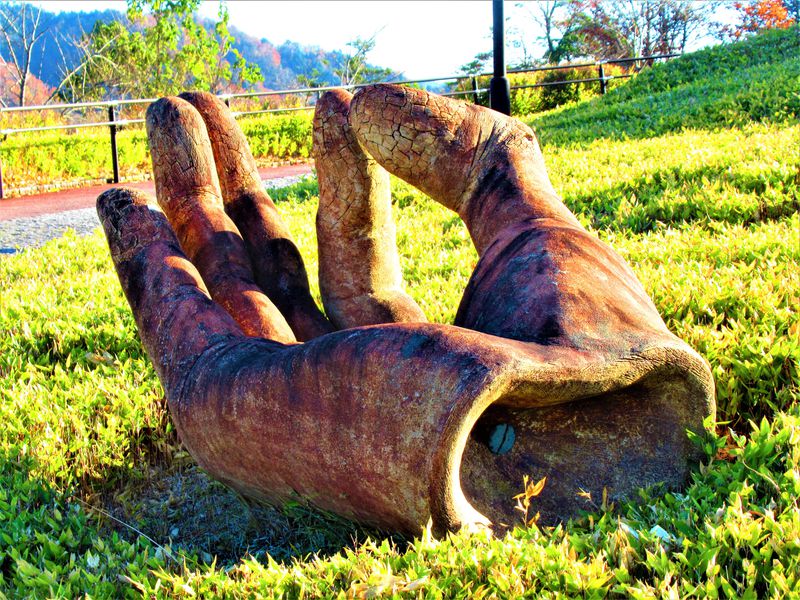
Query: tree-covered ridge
point(63, 45)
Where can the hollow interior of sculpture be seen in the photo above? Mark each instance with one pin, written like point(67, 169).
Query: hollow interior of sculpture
point(621, 441)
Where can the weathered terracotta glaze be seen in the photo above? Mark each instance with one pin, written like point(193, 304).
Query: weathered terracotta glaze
point(558, 364)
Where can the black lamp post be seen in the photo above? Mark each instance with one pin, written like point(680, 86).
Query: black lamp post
point(499, 89)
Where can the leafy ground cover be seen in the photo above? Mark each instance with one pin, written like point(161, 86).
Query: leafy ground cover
point(708, 219)
point(31, 159)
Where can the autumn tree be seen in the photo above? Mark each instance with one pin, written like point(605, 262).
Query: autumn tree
point(590, 30)
point(793, 8)
point(759, 15)
point(627, 28)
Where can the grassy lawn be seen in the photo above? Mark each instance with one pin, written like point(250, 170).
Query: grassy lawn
point(706, 212)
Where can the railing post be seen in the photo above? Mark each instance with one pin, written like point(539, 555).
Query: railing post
point(113, 128)
point(499, 88)
point(1, 173)
point(602, 75)
point(475, 90)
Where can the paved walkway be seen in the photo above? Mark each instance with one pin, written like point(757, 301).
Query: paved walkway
point(56, 202)
point(30, 221)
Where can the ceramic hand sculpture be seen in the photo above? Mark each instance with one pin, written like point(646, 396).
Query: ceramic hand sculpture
point(557, 365)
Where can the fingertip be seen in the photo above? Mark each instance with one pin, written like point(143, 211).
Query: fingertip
point(170, 115)
point(337, 100)
point(204, 101)
point(181, 153)
point(160, 110)
point(112, 203)
point(331, 130)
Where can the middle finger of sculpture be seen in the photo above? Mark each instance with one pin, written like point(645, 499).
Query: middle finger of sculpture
point(558, 364)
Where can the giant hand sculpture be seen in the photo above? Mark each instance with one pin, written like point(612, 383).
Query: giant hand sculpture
point(558, 364)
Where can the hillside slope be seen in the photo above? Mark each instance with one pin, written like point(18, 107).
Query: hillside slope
point(755, 80)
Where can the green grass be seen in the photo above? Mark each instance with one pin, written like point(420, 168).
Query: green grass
point(708, 219)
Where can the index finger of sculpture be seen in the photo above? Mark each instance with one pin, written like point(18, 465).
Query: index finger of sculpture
point(278, 266)
point(484, 165)
point(188, 191)
point(175, 316)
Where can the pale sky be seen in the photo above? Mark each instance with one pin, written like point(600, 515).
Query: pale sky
point(421, 38)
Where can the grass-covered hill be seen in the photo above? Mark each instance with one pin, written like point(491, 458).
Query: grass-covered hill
point(704, 210)
point(756, 80)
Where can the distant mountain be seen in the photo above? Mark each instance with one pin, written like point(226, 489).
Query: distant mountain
point(47, 62)
point(280, 65)
point(36, 92)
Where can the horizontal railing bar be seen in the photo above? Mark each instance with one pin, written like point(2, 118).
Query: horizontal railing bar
point(639, 58)
point(549, 83)
point(285, 92)
point(54, 106)
point(271, 110)
point(347, 87)
point(550, 68)
point(569, 81)
point(123, 102)
point(135, 101)
point(464, 92)
point(336, 87)
point(606, 61)
point(120, 123)
point(105, 104)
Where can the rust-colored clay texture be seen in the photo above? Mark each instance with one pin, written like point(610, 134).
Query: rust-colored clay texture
point(558, 364)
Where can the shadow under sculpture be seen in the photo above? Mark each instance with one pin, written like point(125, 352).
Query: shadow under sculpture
point(558, 364)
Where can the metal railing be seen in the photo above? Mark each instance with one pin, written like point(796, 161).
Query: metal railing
point(115, 124)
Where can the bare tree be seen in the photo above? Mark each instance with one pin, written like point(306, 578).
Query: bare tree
point(662, 26)
point(21, 29)
point(354, 68)
point(550, 16)
point(547, 20)
point(625, 28)
point(74, 85)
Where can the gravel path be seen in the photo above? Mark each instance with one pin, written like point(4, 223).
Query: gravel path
point(31, 232)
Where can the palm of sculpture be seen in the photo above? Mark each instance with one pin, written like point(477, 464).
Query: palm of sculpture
point(378, 415)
